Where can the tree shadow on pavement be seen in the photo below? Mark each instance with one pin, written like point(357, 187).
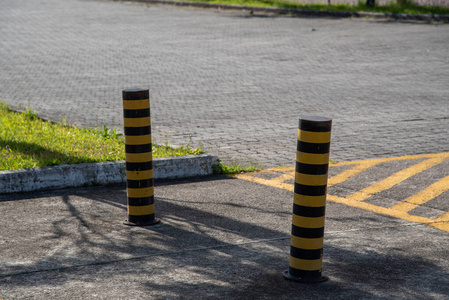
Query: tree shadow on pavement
point(235, 246)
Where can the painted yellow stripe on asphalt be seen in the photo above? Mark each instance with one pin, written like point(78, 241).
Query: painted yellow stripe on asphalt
point(139, 157)
point(267, 182)
point(429, 193)
point(314, 137)
point(137, 139)
point(306, 264)
point(136, 104)
point(345, 175)
point(394, 179)
point(310, 201)
point(137, 122)
point(312, 180)
point(441, 222)
point(307, 222)
point(312, 159)
point(308, 244)
point(140, 210)
point(140, 193)
point(139, 175)
point(379, 209)
point(388, 159)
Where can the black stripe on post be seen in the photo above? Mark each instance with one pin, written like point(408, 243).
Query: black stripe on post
point(310, 190)
point(138, 130)
point(138, 148)
point(145, 166)
point(136, 113)
point(307, 233)
point(140, 220)
point(295, 273)
point(307, 211)
point(312, 169)
point(316, 148)
point(140, 201)
point(139, 185)
point(306, 255)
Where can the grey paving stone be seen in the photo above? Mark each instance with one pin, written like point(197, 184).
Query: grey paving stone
point(235, 82)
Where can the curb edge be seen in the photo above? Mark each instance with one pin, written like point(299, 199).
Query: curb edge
point(88, 174)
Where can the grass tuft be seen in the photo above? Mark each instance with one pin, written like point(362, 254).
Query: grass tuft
point(235, 168)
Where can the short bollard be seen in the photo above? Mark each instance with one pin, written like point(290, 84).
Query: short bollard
point(312, 163)
point(139, 158)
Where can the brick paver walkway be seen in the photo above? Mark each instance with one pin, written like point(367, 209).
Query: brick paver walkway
point(235, 82)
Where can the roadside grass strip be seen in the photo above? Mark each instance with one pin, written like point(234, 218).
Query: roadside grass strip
point(393, 7)
point(403, 208)
point(27, 141)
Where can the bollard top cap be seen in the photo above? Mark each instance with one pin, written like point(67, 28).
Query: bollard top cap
point(316, 124)
point(136, 94)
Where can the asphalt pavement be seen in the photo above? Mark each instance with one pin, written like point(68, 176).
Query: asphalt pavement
point(237, 83)
point(219, 238)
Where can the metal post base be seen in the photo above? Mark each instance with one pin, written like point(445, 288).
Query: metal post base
point(304, 280)
point(154, 222)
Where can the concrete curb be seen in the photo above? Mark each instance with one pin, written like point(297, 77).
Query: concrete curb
point(304, 12)
point(65, 176)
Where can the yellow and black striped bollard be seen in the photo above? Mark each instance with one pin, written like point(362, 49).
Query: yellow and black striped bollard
point(139, 158)
point(312, 164)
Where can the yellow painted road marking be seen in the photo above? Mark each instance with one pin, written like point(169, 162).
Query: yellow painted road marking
point(424, 196)
point(394, 179)
point(345, 175)
point(400, 210)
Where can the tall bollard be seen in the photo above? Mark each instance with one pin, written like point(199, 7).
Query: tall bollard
point(309, 203)
point(139, 158)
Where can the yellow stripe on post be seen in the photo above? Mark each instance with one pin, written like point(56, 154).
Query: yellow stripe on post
point(136, 104)
point(140, 193)
point(139, 175)
point(139, 157)
point(137, 139)
point(314, 137)
point(305, 243)
point(305, 264)
point(141, 210)
point(312, 159)
point(312, 180)
point(137, 122)
point(311, 201)
point(307, 222)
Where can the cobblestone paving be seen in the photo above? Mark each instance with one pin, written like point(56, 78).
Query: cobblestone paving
point(233, 81)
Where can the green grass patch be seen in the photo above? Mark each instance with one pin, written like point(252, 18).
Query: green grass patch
point(27, 141)
point(235, 168)
point(394, 7)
